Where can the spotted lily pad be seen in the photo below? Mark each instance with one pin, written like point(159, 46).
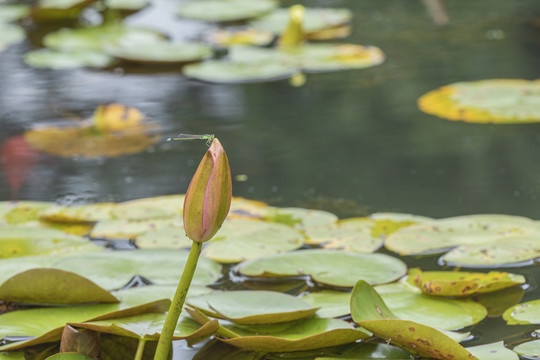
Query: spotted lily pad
point(447, 314)
point(524, 313)
point(47, 324)
point(10, 34)
point(241, 239)
point(530, 349)
point(24, 241)
point(219, 71)
point(487, 101)
point(78, 214)
point(312, 57)
point(458, 283)
point(337, 268)
point(438, 235)
point(150, 208)
point(313, 333)
point(21, 212)
point(315, 19)
point(52, 59)
point(53, 286)
point(303, 219)
point(252, 307)
point(370, 311)
point(159, 52)
point(350, 236)
point(225, 10)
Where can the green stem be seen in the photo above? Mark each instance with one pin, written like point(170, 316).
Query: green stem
point(140, 350)
point(165, 339)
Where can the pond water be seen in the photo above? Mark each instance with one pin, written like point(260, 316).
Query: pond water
point(351, 142)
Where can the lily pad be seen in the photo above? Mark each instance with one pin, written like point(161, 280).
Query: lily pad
point(144, 294)
point(24, 241)
point(47, 324)
point(312, 57)
point(167, 237)
point(150, 208)
point(57, 10)
point(332, 303)
point(524, 313)
point(225, 10)
point(69, 356)
point(53, 286)
point(240, 239)
point(337, 268)
point(496, 101)
point(303, 219)
point(439, 235)
point(13, 12)
point(447, 314)
point(56, 60)
point(530, 349)
point(84, 141)
point(313, 333)
point(10, 34)
point(78, 214)
point(226, 72)
point(458, 283)
point(493, 351)
point(20, 212)
point(365, 351)
point(225, 38)
point(125, 229)
point(129, 5)
point(315, 19)
point(252, 307)
point(97, 38)
point(370, 311)
point(159, 52)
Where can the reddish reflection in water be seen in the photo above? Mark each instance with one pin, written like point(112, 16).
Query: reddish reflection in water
point(16, 158)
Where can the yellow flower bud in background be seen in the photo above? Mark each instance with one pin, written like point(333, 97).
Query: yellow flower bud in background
point(208, 197)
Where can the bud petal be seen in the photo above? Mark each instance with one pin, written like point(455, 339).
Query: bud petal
point(208, 197)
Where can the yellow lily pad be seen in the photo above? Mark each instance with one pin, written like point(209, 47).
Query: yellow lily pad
point(78, 214)
point(167, 206)
point(497, 101)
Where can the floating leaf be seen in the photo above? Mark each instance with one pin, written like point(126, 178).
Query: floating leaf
point(78, 214)
point(332, 303)
point(315, 19)
point(225, 10)
point(524, 313)
point(70, 356)
point(168, 237)
point(240, 239)
point(252, 307)
point(125, 229)
point(488, 101)
point(493, 351)
point(20, 212)
point(159, 52)
point(458, 283)
point(10, 34)
point(24, 241)
point(226, 38)
point(56, 10)
point(365, 351)
point(219, 71)
point(13, 12)
point(12, 355)
point(150, 208)
point(369, 311)
point(56, 60)
point(53, 286)
point(530, 349)
point(143, 294)
point(313, 333)
point(129, 5)
point(447, 314)
point(338, 268)
point(303, 219)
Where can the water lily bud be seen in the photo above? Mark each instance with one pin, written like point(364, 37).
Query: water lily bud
point(208, 197)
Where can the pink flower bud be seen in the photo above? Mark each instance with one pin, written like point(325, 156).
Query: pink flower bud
point(208, 197)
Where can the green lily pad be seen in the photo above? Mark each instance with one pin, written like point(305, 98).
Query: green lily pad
point(530, 349)
point(24, 241)
point(143, 294)
point(169, 206)
point(493, 351)
point(226, 72)
point(337, 268)
point(524, 313)
point(130, 5)
point(53, 286)
point(56, 60)
point(458, 283)
point(332, 303)
point(252, 307)
point(438, 235)
point(126, 229)
point(69, 356)
point(47, 324)
point(312, 57)
point(62, 4)
point(224, 38)
point(58, 10)
point(20, 212)
point(99, 37)
point(168, 237)
point(447, 314)
point(10, 34)
point(304, 219)
point(370, 311)
point(225, 10)
point(315, 19)
point(12, 355)
point(313, 333)
point(79, 214)
point(240, 239)
point(365, 351)
point(148, 327)
point(487, 101)
point(113, 269)
point(351, 238)
point(13, 12)
point(159, 52)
